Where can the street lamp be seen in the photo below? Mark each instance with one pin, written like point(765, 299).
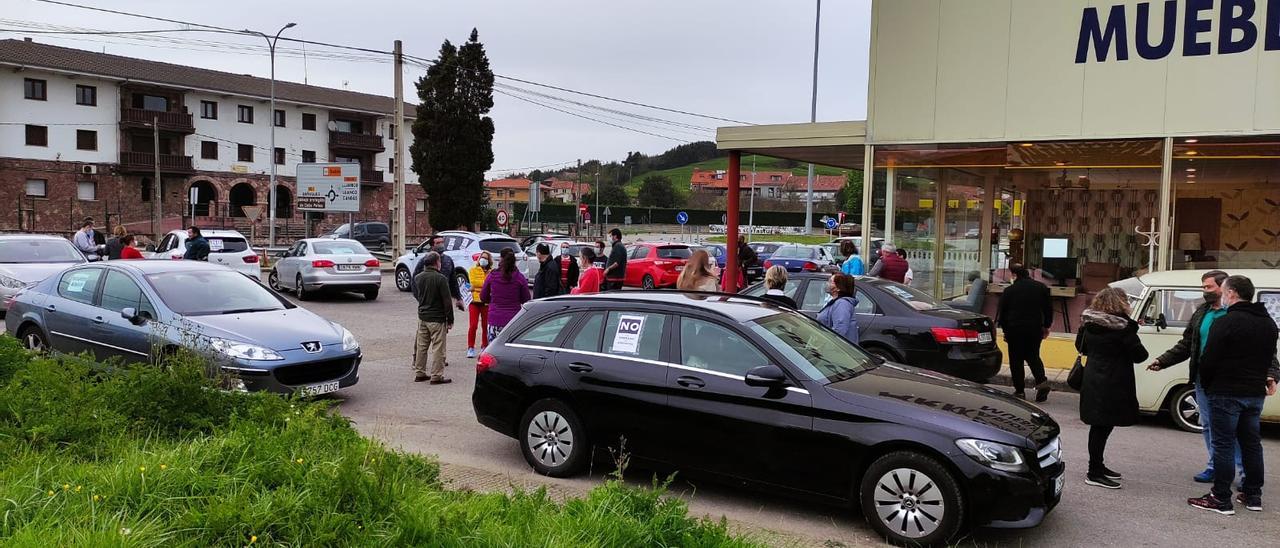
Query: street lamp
point(271, 201)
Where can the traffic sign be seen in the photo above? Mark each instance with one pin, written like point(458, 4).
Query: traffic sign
point(607, 212)
point(682, 217)
point(831, 223)
point(724, 218)
point(328, 187)
point(502, 218)
point(582, 209)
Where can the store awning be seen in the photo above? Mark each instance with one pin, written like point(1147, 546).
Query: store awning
point(837, 144)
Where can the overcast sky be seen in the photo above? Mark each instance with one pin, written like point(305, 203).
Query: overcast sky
point(748, 60)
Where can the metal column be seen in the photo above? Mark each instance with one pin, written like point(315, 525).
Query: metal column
point(729, 281)
point(1165, 223)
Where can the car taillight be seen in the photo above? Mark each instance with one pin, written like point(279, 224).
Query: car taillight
point(810, 266)
point(251, 259)
point(485, 362)
point(322, 263)
point(373, 263)
point(951, 335)
point(176, 257)
point(768, 265)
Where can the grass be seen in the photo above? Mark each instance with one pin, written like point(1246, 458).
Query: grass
point(154, 456)
point(680, 175)
point(788, 238)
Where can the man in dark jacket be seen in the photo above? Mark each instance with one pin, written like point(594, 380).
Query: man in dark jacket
point(891, 266)
point(446, 268)
point(547, 282)
point(1026, 313)
point(197, 246)
point(435, 317)
point(1233, 367)
point(747, 258)
point(615, 268)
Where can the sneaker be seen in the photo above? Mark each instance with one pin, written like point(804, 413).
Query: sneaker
point(1042, 392)
point(1252, 502)
point(1101, 481)
point(440, 380)
point(1204, 477)
point(420, 377)
point(1213, 504)
point(1111, 474)
point(471, 352)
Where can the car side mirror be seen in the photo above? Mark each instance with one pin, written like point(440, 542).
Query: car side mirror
point(1161, 323)
point(878, 359)
point(151, 248)
point(767, 376)
point(131, 314)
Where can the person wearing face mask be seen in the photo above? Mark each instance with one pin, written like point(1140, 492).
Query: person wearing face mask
point(446, 268)
point(840, 313)
point(600, 256)
point(478, 311)
point(592, 276)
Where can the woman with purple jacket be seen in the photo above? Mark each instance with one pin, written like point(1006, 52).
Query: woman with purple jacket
point(505, 289)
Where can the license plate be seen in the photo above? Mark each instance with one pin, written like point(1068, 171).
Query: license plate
point(348, 267)
point(984, 338)
point(317, 389)
point(679, 269)
point(1058, 482)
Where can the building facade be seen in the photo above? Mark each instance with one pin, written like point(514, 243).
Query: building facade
point(83, 134)
point(775, 185)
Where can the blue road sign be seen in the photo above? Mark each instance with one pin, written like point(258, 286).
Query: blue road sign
point(831, 223)
point(682, 217)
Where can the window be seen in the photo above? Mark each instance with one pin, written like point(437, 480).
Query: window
point(87, 96)
point(420, 205)
point(391, 164)
point(588, 336)
point(87, 190)
point(119, 292)
point(308, 156)
point(79, 285)
point(819, 353)
point(717, 349)
point(150, 102)
point(36, 90)
point(788, 290)
point(349, 126)
point(37, 188)
point(279, 156)
point(209, 110)
point(245, 114)
point(86, 139)
point(308, 121)
point(815, 296)
point(279, 118)
point(639, 252)
point(244, 153)
point(37, 136)
point(546, 332)
point(1177, 306)
point(635, 334)
point(208, 150)
point(1271, 300)
point(145, 188)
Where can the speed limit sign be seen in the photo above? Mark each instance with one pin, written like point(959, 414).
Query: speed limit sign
point(502, 218)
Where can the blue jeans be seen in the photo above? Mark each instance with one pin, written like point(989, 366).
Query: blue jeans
point(1202, 402)
point(1236, 420)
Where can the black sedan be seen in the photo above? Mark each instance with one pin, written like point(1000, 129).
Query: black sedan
point(770, 398)
point(903, 324)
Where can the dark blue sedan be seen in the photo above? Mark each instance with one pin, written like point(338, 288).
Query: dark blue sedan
point(138, 311)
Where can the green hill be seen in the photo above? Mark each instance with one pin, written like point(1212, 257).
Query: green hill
point(680, 175)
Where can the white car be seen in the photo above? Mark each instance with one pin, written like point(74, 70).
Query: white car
point(529, 265)
point(462, 247)
point(1163, 303)
point(226, 247)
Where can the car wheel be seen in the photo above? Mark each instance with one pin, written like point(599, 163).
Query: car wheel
point(33, 339)
point(461, 279)
point(911, 499)
point(1185, 410)
point(883, 352)
point(370, 294)
point(273, 280)
point(552, 439)
point(299, 290)
point(647, 282)
point(403, 278)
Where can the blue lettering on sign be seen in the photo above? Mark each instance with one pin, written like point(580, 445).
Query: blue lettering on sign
point(1237, 31)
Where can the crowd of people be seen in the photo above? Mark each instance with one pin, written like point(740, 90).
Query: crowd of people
point(124, 245)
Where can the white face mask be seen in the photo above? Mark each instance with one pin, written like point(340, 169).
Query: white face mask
point(484, 263)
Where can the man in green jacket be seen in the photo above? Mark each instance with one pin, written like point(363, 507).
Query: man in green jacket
point(435, 318)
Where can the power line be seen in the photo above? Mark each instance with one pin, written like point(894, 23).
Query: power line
point(530, 167)
point(585, 117)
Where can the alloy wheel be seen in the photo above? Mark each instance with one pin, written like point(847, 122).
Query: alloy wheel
point(402, 279)
point(273, 280)
point(34, 341)
point(1187, 411)
point(550, 439)
point(909, 502)
point(647, 282)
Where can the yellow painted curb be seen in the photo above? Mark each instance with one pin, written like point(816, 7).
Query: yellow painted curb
point(1058, 351)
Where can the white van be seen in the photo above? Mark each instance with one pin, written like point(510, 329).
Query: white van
point(1163, 303)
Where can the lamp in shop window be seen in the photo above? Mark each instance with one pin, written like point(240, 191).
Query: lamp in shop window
point(1189, 243)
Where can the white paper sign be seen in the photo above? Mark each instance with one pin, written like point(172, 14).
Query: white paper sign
point(215, 244)
point(76, 285)
point(626, 340)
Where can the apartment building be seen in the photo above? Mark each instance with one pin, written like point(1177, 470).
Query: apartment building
point(82, 134)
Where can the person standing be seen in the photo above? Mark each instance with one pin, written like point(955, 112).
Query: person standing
point(1026, 313)
point(909, 275)
point(197, 245)
point(114, 243)
point(546, 283)
point(478, 311)
point(615, 268)
point(1109, 340)
point(127, 249)
point(435, 318)
point(592, 276)
point(505, 290)
point(775, 283)
point(84, 240)
point(698, 274)
point(890, 266)
point(1233, 368)
point(852, 265)
point(446, 268)
point(840, 313)
point(572, 272)
point(600, 254)
point(747, 258)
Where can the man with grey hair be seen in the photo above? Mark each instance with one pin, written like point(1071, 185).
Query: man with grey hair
point(435, 318)
point(890, 266)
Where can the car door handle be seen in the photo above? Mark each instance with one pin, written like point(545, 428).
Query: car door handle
point(98, 320)
point(690, 382)
point(579, 367)
point(51, 308)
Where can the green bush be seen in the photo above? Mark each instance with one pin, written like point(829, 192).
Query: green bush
point(155, 456)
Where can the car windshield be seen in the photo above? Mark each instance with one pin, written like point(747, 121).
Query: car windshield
point(496, 245)
point(795, 252)
point(226, 244)
point(674, 252)
point(344, 229)
point(911, 296)
point(338, 247)
point(38, 251)
point(818, 352)
point(207, 292)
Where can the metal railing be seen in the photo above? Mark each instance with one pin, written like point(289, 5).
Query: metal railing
point(144, 161)
point(176, 121)
point(361, 141)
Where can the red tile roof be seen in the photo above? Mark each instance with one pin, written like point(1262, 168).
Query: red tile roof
point(714, 179)
point(508, 183)
point(557, 184)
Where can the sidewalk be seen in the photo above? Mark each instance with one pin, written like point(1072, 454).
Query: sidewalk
point(1057, 378)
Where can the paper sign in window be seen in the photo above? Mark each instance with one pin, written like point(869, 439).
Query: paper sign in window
point(626, 340)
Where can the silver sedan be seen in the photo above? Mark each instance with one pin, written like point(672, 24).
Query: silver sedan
point(317, 264)
point(28, 258)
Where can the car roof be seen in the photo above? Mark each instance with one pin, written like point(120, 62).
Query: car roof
point(221, 233)
point(662, 244)
point(311, 240)
point(735, 307)
point(157, 267)
point(1261, 277)
point(32, 237)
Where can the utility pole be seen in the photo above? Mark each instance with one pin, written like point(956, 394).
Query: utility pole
point(578, 198)
point(599, 222)
point(157, 212)
point(751, 211)
point(398, 217)
point(813, 117)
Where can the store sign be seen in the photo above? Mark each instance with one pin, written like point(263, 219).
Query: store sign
point(1154, 29)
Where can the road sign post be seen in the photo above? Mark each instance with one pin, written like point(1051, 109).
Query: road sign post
point(502, 218)
point(682, 218)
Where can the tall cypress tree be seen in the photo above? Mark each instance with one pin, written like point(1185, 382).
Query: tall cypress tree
point(453, 134)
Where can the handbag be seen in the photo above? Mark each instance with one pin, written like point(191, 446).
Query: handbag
point(1075, 379)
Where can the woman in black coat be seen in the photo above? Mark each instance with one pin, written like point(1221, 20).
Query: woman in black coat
point(1108, 340)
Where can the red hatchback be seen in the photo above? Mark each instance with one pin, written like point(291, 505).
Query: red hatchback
point(651, 265)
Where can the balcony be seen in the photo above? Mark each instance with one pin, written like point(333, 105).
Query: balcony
point(169, 121)
point(145, 162)
point(368, 176)
point(355, 141)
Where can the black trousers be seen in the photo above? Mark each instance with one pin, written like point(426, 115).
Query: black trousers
point(611, 285)
point(1024, 349)
point(1097, 446)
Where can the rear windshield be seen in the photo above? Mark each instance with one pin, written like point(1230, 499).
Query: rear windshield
point(674, 252)
point(495, 246)
point(38, 251)
point(226, 244)
point(911, 296)
point(764, 248)
point(338, 248)
point(795, 252)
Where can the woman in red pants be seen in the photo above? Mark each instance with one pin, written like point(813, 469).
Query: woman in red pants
point(478, 311)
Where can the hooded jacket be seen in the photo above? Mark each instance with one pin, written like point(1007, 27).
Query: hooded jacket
point(1188, 348)
point(1110, 344)
point(1239, 351)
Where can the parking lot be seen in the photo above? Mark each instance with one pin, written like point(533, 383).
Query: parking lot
point(1156, 460)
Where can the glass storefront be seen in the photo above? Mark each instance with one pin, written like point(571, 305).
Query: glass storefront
point(1226, 203)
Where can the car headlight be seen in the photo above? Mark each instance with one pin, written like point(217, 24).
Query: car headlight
point(11, 282)
point(348, 340)
point(999, 456)
point(243, 351)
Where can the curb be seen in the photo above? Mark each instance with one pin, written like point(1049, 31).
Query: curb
point(1057, 379)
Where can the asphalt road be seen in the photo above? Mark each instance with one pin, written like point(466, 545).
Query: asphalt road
point(1156, 460)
